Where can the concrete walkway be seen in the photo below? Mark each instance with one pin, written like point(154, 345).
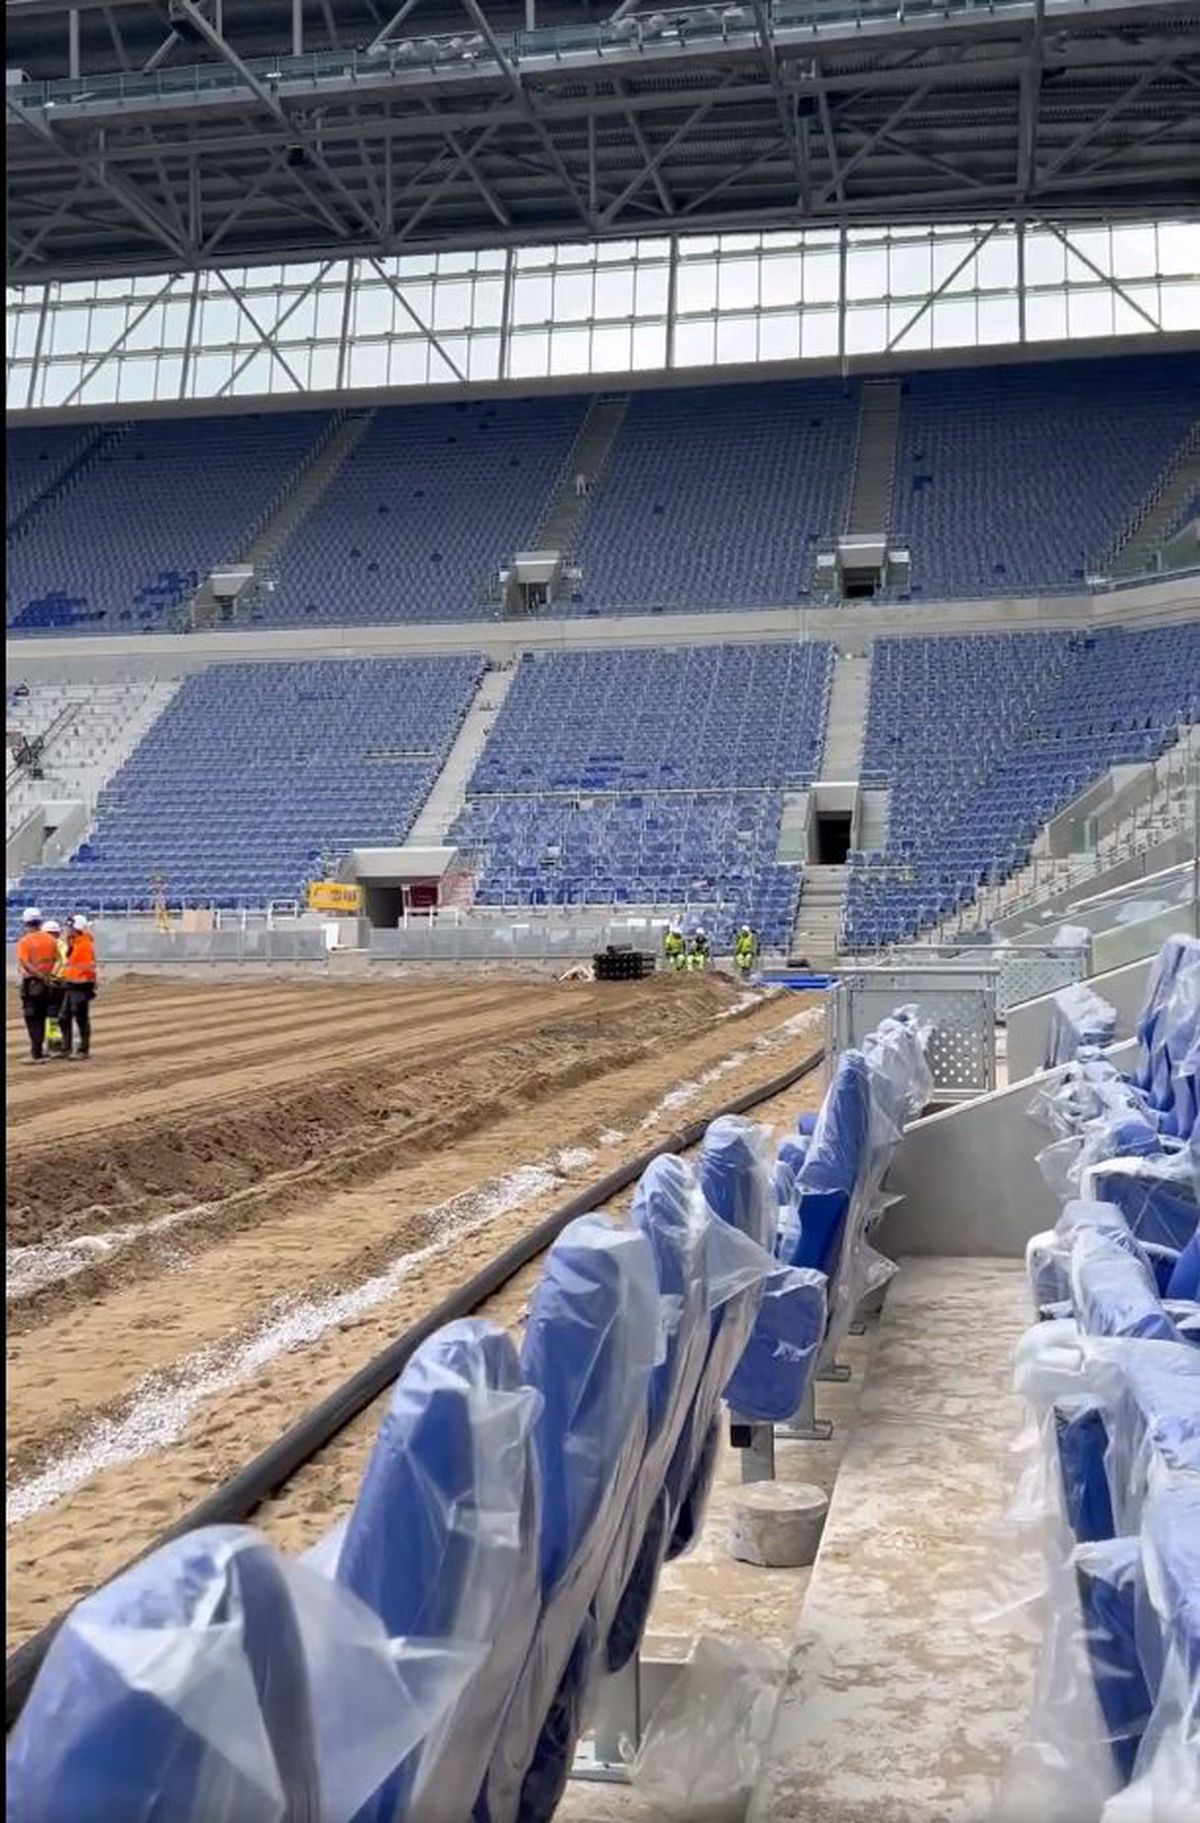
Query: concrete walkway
point(901, 1704)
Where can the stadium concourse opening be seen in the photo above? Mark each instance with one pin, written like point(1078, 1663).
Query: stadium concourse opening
point(504, 499)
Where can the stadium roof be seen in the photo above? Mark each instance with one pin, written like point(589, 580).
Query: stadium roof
point(184, 134)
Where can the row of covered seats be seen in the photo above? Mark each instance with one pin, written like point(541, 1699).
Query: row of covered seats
point(1111, 1376)
point(980, 739)
point(435, 1657)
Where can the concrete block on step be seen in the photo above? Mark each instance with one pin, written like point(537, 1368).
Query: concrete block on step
point(777, 1524)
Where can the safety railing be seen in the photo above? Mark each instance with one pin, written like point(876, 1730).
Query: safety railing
point(958, 1002)
point(691, 26)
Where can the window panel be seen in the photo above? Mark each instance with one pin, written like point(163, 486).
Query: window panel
point(570, 350)
point(694, 343)
point(649, 345)
point(610, 348)
point(614, 293)
point(696, 286)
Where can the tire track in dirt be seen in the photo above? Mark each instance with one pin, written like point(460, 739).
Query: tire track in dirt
point(233, 1043)
point(266, 1070)
point(151, 1019)
point(65, 1548)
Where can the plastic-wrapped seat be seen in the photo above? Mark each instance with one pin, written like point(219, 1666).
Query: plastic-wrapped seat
point(837, 1155)
point(1166, 1774)
point(590, 1348)
point(214, 1682)
point(737, 1183)
point(1157, 1193)
point(442, 1544)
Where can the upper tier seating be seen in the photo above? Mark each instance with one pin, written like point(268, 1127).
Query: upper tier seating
point(147, 517)
point(717, 497)
point(649, 778)
point(35, 459)
point(991, 496)
point(711, 497)
point(256, 775)
point(980, 739)
point(504, 1546)
point(426, 508)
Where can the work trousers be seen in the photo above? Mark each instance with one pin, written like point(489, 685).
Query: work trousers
point(35, 998)
point(77, 1012)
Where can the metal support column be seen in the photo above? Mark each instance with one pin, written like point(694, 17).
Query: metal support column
point(73, 45)
point(755, 1444)
point(297, 28)
point(672, 299)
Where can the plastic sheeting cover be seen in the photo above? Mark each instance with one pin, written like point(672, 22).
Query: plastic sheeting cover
point(1081, 1017)
point(1157, 1195)
point(1113, 1287)
point(214, 1682)
point(591, 1345)
point(771, 1379)
point(443, 1544)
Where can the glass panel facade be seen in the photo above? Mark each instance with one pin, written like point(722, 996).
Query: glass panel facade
point(594, 309)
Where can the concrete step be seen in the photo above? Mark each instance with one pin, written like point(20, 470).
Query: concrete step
point(846, 718)
point(1155, 519)
point(449, 790)
point(870, 504)
point(589, 457)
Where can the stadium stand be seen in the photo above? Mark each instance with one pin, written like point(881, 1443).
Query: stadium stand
point(34, 461)
point(711, 498)
point(81, 734)
point(145, 517)
point(538, 1497)
point(422, 515)
point(649, 778)
point(991, 497)
point(256, 773)
point(1111, 1377)
point(717, 498)
point(981, 739)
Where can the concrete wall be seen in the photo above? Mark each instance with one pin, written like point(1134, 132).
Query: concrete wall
point(1029, 1024)
point(174, 655)
point(969, 1179)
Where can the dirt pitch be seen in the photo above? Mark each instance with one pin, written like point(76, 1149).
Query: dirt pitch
point(251, 1187)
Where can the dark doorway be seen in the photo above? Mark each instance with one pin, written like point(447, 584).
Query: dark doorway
point(833, 837)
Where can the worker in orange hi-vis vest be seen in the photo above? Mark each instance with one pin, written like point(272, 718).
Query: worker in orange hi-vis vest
point(79, 987)
point(37, 959)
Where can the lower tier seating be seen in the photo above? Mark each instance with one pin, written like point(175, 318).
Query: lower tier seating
point(981, 739)
point(437, 1656)
point(256, 776)
point(1111, 1376)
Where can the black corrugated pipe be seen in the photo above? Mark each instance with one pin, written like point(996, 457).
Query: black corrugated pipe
point(238, 1498)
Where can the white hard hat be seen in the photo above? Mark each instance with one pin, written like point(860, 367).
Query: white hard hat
point(52, 927)
point(79, 922)
point(31, 915)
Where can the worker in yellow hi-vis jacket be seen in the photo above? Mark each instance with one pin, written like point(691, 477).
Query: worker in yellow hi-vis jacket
point(745, 951)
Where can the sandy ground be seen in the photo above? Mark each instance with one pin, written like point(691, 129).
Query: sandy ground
point(250, 1189)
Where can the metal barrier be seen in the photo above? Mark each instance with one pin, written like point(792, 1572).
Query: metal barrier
point(1018, 971)
point(959, 1002)
point(516, 940)
point(142, 944)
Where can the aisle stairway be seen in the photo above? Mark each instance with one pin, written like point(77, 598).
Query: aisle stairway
point(1161, 514)
point(589, 457)
point(846, 718)
point(345, 432)
point(819, 919)
point(869, 511)
point(449, 792)
point(899, 1702)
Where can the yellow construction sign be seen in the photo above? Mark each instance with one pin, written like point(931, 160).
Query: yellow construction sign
point(335, 896)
